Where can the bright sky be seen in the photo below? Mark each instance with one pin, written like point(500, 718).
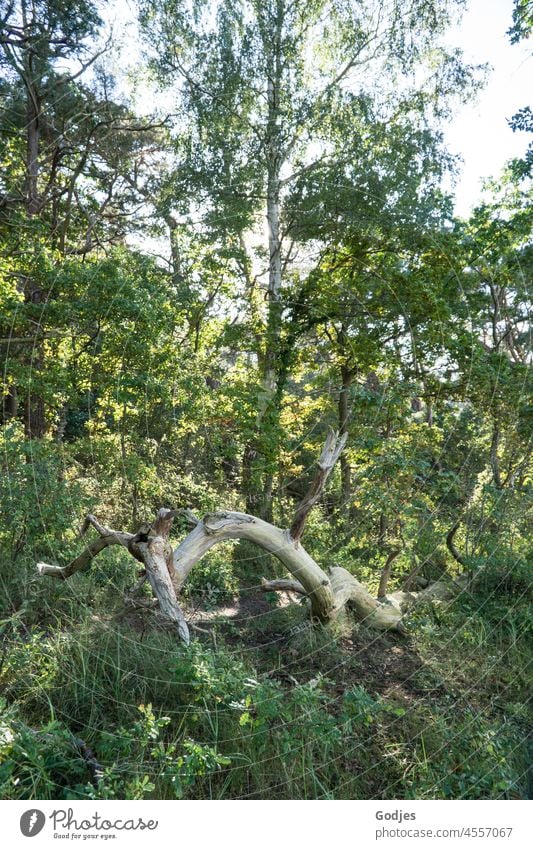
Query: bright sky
point(479, 132)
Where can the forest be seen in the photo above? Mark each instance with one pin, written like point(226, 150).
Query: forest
point(265, 421)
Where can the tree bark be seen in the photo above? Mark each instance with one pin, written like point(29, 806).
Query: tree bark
point(344, 416)
point(167, 569)
point(450, 544)
point(494, 459)
point(261, 476)
point(329, 594)
point(385, 574)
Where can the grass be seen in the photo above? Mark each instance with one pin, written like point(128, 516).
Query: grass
point(263, 706)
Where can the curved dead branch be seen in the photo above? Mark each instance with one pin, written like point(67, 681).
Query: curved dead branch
point(328, 593)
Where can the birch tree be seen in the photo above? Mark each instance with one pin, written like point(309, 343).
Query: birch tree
point(282, 102)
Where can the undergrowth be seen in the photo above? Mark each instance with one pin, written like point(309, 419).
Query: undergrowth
point(260, 705)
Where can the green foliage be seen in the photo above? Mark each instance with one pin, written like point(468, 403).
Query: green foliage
point(213, 580)
point(522, 21)
point(40, 500)
point(175, 373)
point(38, 764)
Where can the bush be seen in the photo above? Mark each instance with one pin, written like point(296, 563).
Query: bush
point(212, 580)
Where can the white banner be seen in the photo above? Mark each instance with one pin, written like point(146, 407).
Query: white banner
point(357, 824)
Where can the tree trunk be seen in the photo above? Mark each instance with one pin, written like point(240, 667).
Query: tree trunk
point(494, 459)
point(34, 421)
point(34, 409)
point(386, 572)
point(344, 415)
point(32, 150)
point(167, 570)
point(9, 405)
point(264, 445)
point(327, 594)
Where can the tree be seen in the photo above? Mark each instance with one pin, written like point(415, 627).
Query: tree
point(283, 108)
point(69, 175)
point(34, 37)
point(522, 21)
point(167, 570)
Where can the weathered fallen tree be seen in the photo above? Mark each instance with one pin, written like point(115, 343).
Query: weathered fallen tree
point(167, 569)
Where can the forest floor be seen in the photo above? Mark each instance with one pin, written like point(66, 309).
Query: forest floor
point(261, 704)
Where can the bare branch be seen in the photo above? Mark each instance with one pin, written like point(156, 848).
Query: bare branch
point(451, 545)
point(92, 59)
point(282, 585)
point(31, 340)
point(83, 562)
point(330, 454)
point(92, 521)
point(167, 572)
point(385, 573)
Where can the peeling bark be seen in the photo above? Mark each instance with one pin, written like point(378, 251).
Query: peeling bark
point(328, 593)
point(151, 549)
point(154, 556)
